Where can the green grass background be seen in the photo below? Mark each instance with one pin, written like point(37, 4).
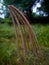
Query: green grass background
point(8, 45)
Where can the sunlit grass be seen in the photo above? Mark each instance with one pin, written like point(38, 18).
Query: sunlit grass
point(41, 30)
point(8, 47)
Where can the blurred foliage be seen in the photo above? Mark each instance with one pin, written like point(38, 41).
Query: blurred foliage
point(45, 6)
point(6, 20)
point(8, 48)
point(27, 3)
point(24, 4)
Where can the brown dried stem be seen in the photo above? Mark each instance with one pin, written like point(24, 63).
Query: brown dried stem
point(18, 15)
point(21, 33)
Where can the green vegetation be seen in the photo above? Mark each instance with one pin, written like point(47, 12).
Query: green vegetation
point(42, 33)
point(41, 30)
point(8, 47)
point(8, 50)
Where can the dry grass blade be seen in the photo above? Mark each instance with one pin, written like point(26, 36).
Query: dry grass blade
point(19, 16)
point(21, 32)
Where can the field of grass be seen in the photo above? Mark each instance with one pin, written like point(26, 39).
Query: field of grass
point(7, 33)
point(7, 42)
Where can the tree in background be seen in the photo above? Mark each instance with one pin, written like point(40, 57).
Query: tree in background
point(26, 5)
point(45, 6)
